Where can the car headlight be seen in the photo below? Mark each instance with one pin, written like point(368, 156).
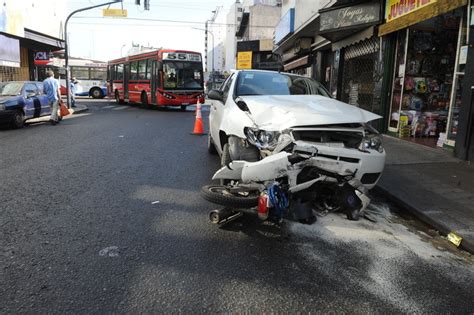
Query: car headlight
point(261, 138)
point(373, 142)
point(2, 107)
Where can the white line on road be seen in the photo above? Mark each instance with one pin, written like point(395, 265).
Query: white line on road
point(109, 106)
point(119, 108)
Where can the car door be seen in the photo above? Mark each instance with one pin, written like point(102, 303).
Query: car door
point(32, 106)
point(43, 99)
point(217, 112)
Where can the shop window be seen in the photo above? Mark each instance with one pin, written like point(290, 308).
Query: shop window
point(428, 81)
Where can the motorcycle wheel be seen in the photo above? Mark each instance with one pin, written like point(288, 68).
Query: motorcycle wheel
point(221, 195)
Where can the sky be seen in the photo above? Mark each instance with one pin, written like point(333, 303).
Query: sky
point(106, 38)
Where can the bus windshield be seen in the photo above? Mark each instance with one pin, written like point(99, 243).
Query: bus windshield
point(182, 75)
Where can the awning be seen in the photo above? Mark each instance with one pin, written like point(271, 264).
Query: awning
point(301, 62)
point(422, 14)
point(358, 37)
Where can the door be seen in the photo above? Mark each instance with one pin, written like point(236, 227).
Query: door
point(154, 80)
point(217, 112)
point(43, 99)
point(32, 106)
point(126, 78)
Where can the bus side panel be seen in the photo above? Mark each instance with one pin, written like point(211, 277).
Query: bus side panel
point(136, 88)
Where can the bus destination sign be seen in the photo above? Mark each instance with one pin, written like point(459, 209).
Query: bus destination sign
point(182, 57)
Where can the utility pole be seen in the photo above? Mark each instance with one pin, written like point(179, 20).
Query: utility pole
point(66, 46)
point(212, 19)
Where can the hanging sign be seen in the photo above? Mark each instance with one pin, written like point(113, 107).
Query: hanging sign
point(353, 16)
point(398, 8)
point(114, 12)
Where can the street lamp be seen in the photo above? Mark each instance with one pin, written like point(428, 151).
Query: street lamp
point(66, 50)
point(213, 48)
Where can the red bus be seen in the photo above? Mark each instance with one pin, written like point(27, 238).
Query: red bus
point(162, 78)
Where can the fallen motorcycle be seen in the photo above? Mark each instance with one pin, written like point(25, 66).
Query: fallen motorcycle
point(279, 182)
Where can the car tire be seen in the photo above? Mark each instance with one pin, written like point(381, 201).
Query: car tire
point(183, 107)
point(18, 119)
point(219, 194)
point(211, 148)
point(96, 93)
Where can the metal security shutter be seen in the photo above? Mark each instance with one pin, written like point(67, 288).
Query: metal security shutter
point(360, 75)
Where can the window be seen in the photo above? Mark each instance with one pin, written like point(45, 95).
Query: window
point(80, 73)
point(119, 72)
point(148, 69)
point(111, 72)
point(98, 74)
point(40, 88)
point(182, 75)
point(31, 88)
point(226, 87)
point(142, 70)
point(134, 70)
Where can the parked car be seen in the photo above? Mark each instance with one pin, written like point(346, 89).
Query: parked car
point(253, 109)
point(22, 100)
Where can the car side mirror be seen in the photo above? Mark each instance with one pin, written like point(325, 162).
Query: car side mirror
point(215, 95)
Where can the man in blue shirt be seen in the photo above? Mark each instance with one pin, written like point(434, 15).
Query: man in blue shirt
point(51, 89)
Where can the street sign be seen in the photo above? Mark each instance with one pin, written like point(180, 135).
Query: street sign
point(114, 12)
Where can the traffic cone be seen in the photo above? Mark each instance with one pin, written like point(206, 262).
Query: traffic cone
point(198, 128)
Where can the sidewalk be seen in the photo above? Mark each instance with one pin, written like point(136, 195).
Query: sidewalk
point(78, 109)
point(433, 185)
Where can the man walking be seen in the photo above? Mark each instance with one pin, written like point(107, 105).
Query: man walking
point(72, 90)
point(51, 89)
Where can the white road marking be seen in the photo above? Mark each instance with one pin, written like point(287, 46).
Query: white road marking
point(109, 106)
point(155, 202)
point(111, 251)
point(121, 136)
point(119, 108)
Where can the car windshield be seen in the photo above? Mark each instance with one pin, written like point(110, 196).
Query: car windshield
point(274, 83)
point(10, 88)
point(182, 75)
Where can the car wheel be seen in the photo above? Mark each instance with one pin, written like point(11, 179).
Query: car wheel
point(18, 119)
point(183, 107)
point(222, 196)
point(96, 93)
point(211, 148)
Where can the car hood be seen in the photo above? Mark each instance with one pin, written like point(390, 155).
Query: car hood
point(4, 99)
point(278, 112)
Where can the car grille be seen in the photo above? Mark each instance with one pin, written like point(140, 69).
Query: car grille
point(350, 139)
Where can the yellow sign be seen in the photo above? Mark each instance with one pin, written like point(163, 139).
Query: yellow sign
point(114, 12)
point(398, 8)
point(244, 60)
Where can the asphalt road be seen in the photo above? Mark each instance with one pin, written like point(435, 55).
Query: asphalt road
point(102, 213)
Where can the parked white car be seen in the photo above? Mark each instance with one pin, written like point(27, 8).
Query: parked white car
point(253, 109)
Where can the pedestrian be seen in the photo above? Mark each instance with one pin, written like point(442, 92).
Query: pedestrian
point(52, 91)
point(72, 90)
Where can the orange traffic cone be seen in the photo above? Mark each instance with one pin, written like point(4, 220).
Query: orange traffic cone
point(198, 128)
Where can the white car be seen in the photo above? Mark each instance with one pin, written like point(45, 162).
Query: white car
point(254, 108)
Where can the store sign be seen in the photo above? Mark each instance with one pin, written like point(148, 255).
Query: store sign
point(182, 57)
point(398, 8)
point(9, 52)
point(349, 16)
point(42, 58)
point(244, 60)
point(114, 12)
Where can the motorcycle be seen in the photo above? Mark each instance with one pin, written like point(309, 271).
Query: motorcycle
point(276, 183)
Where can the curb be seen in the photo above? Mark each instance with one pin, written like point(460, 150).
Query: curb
point(443, 229)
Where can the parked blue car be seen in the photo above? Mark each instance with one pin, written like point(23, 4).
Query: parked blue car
point(22, 100)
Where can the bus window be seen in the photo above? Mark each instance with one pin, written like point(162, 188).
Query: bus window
point(80, 73)
point(119, 72)
point(182, 75)
point(142, 70)
point(148, 69)
point(98, 74)
point(134, 70)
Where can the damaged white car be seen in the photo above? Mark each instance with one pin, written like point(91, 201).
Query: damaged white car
point(283, 141)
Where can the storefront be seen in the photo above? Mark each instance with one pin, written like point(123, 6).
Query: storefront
point(428, 70)
point(357, 58)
